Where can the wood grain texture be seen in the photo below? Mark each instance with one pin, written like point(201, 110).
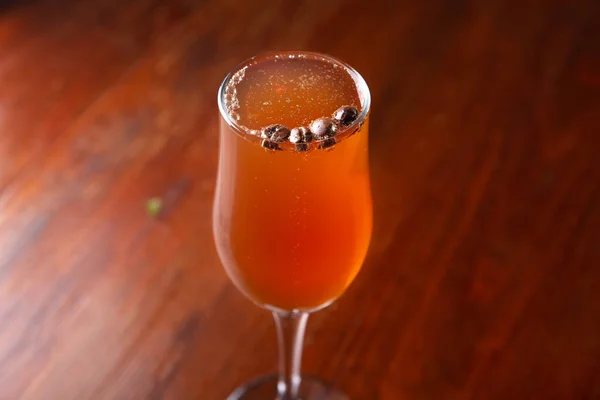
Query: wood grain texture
point(482, 277)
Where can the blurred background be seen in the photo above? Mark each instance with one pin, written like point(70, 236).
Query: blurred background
point(481, 278)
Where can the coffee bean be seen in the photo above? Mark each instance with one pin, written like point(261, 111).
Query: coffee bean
point(328, 143)
point(301, 147)
point(300, 135)
point(324, 128)
point(269, 145)
point(276, 133)
point(346, 115)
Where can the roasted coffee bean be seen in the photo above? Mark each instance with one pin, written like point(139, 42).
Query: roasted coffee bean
point(328, 143)
point(276, 133)
point(301, 147)
point(300, 135)
point(324, 128)
point(346, 115)
point(269, 145)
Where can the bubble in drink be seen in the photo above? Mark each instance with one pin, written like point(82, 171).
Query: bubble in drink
point(230, 90)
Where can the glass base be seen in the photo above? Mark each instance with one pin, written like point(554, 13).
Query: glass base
point(265, 388)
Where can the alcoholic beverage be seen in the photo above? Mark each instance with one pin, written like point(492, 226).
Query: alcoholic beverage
point(292, 214)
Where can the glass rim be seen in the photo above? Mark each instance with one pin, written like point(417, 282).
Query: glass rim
point(361, 85)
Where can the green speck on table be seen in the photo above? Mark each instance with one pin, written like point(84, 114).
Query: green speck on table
point(153, 206)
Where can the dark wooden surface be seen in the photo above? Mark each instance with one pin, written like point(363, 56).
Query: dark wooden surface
point(483, 280)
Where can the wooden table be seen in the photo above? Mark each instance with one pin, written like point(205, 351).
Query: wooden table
point(483, 274)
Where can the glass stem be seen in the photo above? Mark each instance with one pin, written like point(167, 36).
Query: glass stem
point(290, 337)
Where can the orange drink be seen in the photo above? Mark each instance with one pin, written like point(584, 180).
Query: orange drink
point(292, 225)
point(292, 213)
